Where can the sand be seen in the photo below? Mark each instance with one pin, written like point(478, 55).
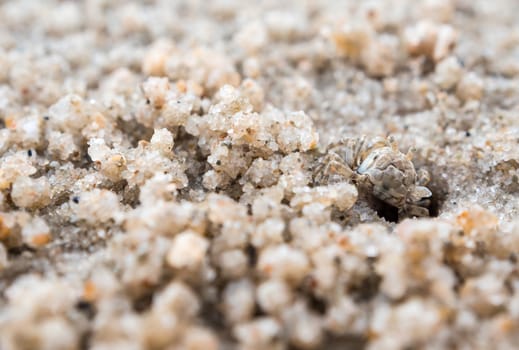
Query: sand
point(170, 177)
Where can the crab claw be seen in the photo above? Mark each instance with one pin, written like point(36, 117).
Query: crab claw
point(413, 211)
point(418, 193)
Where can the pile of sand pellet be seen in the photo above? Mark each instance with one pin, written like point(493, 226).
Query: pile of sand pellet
point(160, 164)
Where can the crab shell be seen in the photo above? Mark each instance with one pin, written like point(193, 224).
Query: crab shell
point(391, 177)
point(355, 151)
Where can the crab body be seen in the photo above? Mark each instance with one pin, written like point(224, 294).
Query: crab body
point(378, 168)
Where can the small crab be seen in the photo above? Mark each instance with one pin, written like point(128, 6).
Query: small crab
point(378, 168)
